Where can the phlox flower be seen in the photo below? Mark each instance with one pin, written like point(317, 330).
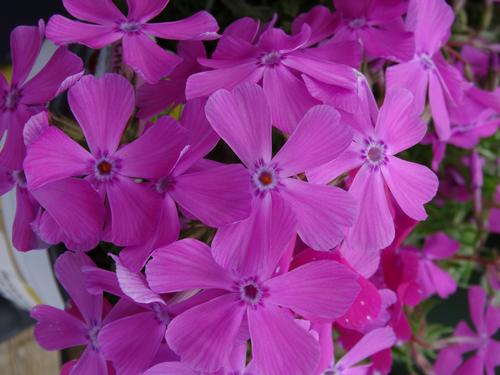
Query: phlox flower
point(216, 194)
point(103, 106)
point(252, 303)
point(427, 70)
point(378, 25)
point(494, 215)
point(28, 94)
point(106, 24)
point(380, 135)
point(242, 118)
point(278, 61)
point(57, 329)
point(486, 320)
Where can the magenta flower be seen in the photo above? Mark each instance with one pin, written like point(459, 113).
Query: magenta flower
point(56, 329)
point(169, 93)
point(381, 135)
point(217, 194)
point(321, 212)
point(109, 25)
point(431, 21)
point(278, 61)
point(486, 319)
point(494, 215)
point(103, 107)
point(378, 25)
point(25, 96)
point(252, 299)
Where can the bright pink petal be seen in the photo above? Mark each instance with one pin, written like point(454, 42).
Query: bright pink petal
point(254, 246)
point(217, 196)
point(492, 319)
point(23, 237)
point(155, 152)
point(13, 151)
point(388, 43)
point(62, 30)
point(68, 269)
point(275, 39)
point(170, 368)
point(131, 343)
point(288, 97)
point(56, 329)
point(363, 261)
point(348, 52)
point(472, 366)
point(324, 71)
point(25, 44)
point(318, 138)
point(440, 246)
point(305, 290)
point(279, 344)
point(373, 342)
point(411, 184)
point(245, 130)
point(205, 83)
point(91, 362)
point(447, 361)
point(200, 26)
point(439, 108)
point(322, 22)
point(55, 156)
point(102, 106)
point(185, 264)
point(134, 211)
point(350, 159)
point(322, 212)
point(35, 127)
point(217, 324)
point(411, 76)
point(398, 125)
point(477, 302)
point(141, 10)
point(374, 228)
point(444, 284)
point(202, 137)
point(102, 12)
point(431, 22)
point(147, 58)
point(76, 208)
point(44, 86)
point(351, 9)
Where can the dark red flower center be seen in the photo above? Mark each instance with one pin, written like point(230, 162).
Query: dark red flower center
point(266, 178)
point(251, 292)
point(104, 167)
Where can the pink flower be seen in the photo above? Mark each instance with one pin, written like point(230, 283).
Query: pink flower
point(26, 96)
point(278, 61)
point(56, 329)
point(103, 107)
point(109, 25)
point(321, 212)
point(431, 21)
point(252, 303)
point(380, 136)
point(217, 194)
point(486, 319)
point(494, 215)
point(378, 26)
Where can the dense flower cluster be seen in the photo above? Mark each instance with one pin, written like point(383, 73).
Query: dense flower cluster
point(255, 261)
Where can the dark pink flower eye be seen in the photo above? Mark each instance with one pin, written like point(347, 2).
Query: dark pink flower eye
point(266, 178)
point(104, 167)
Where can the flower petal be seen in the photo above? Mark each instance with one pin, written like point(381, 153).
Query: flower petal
point(439, 107)
point(155, 152)
point(200, 26)
point(318, 138)
point(388, 43)
point(56, 329)
point(477, 302)
point(322, 212)
point(25, 45)
point(141, 10)
point(170, 368)
point(279, 344)
point(62, 30)
point(234, 117)
point(23, 237)
point(147, 58)
point(102, 12)
point(102, 106)
point(185, 264)
point(91, 362)
point(411, 184)
point(440, 246)
point(322, 290)
point(217, 323)
point(410, 76)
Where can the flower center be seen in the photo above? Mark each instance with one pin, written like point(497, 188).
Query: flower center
point(91, 336)
point(271, 58)
point(251, 291)
point(374, 153)
point(265, 177)
point(357, 23)
point(130, 26)
point(426, 61)
point(11, 98)
point(105, 168)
